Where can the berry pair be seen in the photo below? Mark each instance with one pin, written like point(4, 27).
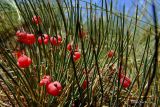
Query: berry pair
point(54, 40)
point(25, 38)
point(76, 53)
point(53, 88)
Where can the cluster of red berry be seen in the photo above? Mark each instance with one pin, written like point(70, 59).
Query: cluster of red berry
point(43, 39)
point(30, 39)
point(23, 61)
point(76, 53)
point(56, 41)
point(36, 20)
point(53, 88)
point(124, 81)
point(25, 38)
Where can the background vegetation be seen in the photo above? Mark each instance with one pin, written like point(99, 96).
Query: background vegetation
point(133, 40)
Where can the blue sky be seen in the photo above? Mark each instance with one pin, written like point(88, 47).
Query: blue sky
point(130, 6)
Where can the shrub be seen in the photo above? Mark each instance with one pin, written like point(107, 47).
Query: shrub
point(63, 58)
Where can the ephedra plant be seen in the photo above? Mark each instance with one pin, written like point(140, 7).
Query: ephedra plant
point(67, 59)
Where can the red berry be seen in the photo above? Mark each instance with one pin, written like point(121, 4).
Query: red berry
point(54, 88)
point(25, 38)
point(39, 40)
point(70, 46)
point(45, 39)
point(30, 39)
point(45, 80)
point(84, 85)
point(76, 55)
point(21, 36)
point(24, 61)
point(56, 42)
point(125, 81)
point(51, 89)
point(110, 54)
point(37, 20)
point(58, 85)
point(46, 36)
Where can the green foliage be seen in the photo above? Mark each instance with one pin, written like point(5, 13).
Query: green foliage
point(104, 32)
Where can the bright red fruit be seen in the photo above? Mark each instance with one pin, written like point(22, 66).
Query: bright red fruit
point(76, 55)
point(84, 85)
point(24, 61)
point(30, 39)
point(110, 54)
point(21, 36)
point(54, 88)
point(37, 20)
point(54, 40)
point(25, 37)
point(45, 80)
point(58, 85)
point(45, 39)
point(70, 46)
point(125, 81)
